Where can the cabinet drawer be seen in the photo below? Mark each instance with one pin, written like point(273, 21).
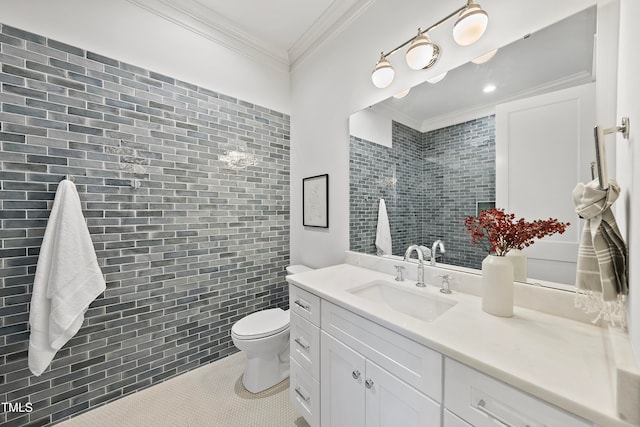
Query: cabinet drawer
point(305, 394)
point(305, 345)
point(304, 304)
point(483, 401)
point(413, 363)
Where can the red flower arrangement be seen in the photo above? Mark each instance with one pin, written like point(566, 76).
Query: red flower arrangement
point(503, 233)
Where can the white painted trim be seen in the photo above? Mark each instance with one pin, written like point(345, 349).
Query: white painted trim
point(488, 109)
point(206, 23)
point(213, 26)
point(334, 20)
point(396, 115)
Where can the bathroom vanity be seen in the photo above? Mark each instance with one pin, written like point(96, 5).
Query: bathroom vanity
point(362, 355)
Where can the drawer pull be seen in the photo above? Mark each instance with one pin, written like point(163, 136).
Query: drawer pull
point(368, 383)
point(301, 394)
point(355, 374)
point(303, 305)
point(481, 406)
point(304, 346)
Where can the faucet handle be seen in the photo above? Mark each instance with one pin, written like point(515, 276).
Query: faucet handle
point(399, 270)
point(445, 283)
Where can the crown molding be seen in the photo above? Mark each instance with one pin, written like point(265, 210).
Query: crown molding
point(195, 17)
point(332, 22)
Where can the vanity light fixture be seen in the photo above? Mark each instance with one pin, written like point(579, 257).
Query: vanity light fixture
point(423, 54)
point(485, 58)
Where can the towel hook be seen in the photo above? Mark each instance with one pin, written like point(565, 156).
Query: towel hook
point(601, 155)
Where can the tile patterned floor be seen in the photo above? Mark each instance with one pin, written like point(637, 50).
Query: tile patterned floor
point(211, 396)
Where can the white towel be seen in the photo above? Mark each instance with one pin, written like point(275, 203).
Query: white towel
point(383, 231)
point(67, 279)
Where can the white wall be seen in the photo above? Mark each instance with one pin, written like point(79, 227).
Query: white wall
point(628, 213)
point(371, 126)
point(124, 31)
point(335, 82)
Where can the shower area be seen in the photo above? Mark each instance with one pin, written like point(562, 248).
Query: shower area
point(430, 182)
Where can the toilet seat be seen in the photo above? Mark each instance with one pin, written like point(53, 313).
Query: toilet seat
point(261, 324)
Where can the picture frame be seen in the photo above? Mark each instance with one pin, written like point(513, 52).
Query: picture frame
point(315, 201)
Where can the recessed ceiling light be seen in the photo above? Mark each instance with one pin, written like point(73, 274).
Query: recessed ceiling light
point(489, 88)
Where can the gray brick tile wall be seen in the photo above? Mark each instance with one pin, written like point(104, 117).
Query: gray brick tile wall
point(202, 242)
point(430, 182)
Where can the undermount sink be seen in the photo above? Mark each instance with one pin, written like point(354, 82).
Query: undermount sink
point(403, 299)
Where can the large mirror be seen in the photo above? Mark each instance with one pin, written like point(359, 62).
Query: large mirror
point(450, 148)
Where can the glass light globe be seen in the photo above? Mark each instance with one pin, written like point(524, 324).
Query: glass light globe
point(420, 53)
point(471, 25)
point(383, 73)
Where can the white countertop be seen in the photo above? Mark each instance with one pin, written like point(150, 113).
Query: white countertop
point(561, 361)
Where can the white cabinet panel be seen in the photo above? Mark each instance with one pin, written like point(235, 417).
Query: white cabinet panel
point(451, 420)
point(355, 392)
point(391, 402)
point(305, 344)
point(305, 394)
point(342, 385)
point(413, 363)
point(305, 304)
point(486, 402)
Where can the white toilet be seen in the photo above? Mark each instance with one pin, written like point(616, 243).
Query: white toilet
point(264, 337)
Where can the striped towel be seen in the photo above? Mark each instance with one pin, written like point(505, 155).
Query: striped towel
point(602, 269)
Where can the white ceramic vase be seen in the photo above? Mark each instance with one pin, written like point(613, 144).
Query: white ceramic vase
point(497, 286)
point(519, 260)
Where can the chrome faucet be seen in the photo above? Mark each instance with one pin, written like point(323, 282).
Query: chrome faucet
point(407, 255)
point(438, 244)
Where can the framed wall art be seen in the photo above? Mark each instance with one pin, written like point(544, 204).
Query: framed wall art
point(315, 201)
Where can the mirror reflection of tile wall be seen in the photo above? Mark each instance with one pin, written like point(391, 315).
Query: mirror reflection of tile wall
point(430, 182)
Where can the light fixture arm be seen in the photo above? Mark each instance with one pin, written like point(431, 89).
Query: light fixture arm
point(446, 18)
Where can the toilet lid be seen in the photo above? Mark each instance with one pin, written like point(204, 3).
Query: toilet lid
point(261, 324)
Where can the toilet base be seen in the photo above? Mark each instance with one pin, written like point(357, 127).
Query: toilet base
point(261, 374)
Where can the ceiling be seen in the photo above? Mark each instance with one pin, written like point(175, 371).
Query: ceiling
point(553, 58)
point(279, 22)
point(280, 31)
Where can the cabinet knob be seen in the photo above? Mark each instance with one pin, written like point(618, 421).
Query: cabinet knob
point(368, 383)
point(355, 374)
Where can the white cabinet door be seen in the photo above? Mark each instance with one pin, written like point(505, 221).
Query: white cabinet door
point(342, 388)
point(391, 402)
